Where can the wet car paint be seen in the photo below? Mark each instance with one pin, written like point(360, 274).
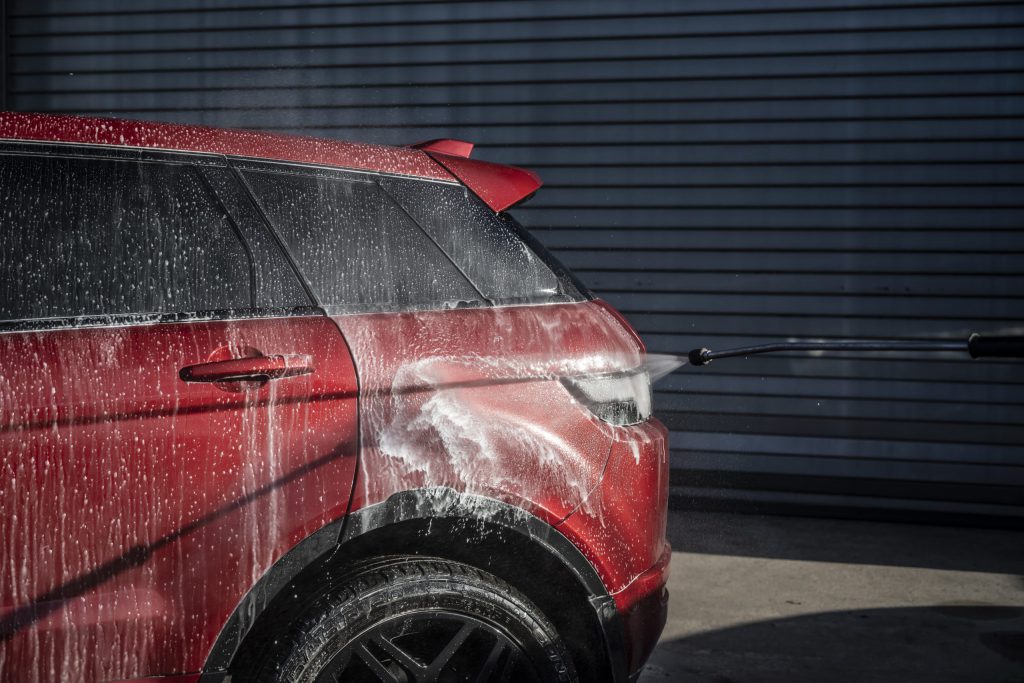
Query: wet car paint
point(136, 509)
point(139, 508)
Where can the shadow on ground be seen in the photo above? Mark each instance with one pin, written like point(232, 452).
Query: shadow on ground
point(766, 599)
point(940, 644)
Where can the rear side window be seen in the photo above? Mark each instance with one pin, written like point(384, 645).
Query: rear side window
point(85, 237)
point(357, 249)
point(497, 255)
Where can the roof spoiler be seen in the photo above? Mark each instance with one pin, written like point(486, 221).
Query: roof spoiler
point(499, 186)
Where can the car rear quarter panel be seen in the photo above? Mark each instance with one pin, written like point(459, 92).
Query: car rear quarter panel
point(470, 400)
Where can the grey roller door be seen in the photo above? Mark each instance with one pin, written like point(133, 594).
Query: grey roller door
point(723, 171)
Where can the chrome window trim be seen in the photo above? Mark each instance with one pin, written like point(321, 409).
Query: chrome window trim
point(255, 164)
point(92, 150)
point(147, 319)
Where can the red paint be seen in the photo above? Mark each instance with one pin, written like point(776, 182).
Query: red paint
point(138, 508)
point(621, 319)
point(455, 148)
point(513, 427)
point(252, 367)
point(609, 490)
point(500, 187)
point(632, 498)
point(230, 142)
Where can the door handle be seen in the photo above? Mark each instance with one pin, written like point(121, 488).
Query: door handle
point(250, 369)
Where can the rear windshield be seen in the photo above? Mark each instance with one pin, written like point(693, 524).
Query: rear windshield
point(500, 258)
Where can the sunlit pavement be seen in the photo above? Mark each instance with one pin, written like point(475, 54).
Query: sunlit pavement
point(793, 599)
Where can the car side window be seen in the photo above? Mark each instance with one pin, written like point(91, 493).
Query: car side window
point(491, 249)
point(357, 249)
point(100, 237)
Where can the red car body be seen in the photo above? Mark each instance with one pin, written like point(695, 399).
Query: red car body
point(150, 518)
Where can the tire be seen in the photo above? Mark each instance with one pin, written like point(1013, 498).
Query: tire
point(423, 620)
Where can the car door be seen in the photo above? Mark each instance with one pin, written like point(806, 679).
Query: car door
point(174, 414)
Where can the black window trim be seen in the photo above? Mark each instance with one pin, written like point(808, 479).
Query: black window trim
point(243, 183)
point(34, 148)
point(260, 231)
point(226, 215)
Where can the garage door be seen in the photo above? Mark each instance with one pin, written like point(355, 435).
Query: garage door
point(723, 171)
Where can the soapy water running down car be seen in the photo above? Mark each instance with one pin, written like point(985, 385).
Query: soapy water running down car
point(289, 409)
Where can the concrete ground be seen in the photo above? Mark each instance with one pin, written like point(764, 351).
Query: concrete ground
point(792, 599)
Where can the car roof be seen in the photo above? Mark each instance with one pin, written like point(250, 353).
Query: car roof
point(498, 185)
point(64, 128)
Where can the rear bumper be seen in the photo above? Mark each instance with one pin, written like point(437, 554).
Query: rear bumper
point(620, 528)
point(633, 619)
point(643, 609)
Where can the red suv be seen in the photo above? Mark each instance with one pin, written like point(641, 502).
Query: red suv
point(277, 408)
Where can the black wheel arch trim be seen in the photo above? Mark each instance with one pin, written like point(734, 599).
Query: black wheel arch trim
point(413, 505)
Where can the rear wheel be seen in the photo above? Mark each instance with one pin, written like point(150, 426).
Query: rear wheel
point(421, 620)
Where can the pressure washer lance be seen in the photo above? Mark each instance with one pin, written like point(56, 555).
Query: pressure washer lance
point(976, 345)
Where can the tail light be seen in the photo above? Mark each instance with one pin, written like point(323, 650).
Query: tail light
point(620, 398)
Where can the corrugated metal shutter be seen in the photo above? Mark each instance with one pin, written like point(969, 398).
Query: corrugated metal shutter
point(724, 171)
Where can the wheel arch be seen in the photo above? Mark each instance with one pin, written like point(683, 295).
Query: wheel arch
point(438, 522)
